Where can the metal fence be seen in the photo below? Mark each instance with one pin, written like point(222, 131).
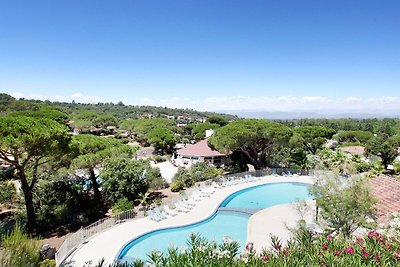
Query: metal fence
point(84, 234)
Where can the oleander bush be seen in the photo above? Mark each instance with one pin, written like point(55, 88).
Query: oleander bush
point(304, 249)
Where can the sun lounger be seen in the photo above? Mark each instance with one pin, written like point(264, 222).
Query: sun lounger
point(215, 185)
point(207, 190)
point(180, 208)
point(153, 216)
point(159, 213)
point(189, 202)
point(169, 211)
point(196, 196)
point(183, 204)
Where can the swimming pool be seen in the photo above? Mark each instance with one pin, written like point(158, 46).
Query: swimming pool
point(222, 223)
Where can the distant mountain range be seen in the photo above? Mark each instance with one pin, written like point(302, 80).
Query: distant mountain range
point(309, 114)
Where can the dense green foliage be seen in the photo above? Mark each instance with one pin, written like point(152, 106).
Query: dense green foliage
point(27, 143)
point(357, 137)
point(19, 250)
point(258, 140)
point(90, 151)
point(162, 139)
point(198, 172)
point(344, 204)
point(123, 204)
point(221, 121)
point(199, 130)
point(385, 147)
point(7, 192)
point(313, 137)
point(123, 178)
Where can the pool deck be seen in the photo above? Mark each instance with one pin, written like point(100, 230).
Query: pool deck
point(107, 244)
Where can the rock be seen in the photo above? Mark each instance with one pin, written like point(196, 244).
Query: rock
point(47, 252)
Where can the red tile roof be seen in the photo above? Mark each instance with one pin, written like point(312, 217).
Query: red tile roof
point(200, 149)
point(387, 191)
point(359, 150)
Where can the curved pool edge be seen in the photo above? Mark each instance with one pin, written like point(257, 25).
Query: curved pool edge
point(277, 220)
point(214, 212)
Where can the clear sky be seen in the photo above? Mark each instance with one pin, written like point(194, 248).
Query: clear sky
point(205, 54)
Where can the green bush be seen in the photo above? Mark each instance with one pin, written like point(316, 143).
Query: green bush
point(47, 263)
point(122, 204)
point(177, 186)
point(7, 192)
point(19, 249)
point(158, 159)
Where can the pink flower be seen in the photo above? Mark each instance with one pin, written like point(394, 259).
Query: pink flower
point(277, 246)
point(249, 246)
point(349, 250)
point(372, 234)
point(265, 258)
point(325, 246)
point(388, 248)
point(366, 254)
point(360, 241)
point(377, 257)
point(337, 253)
point(396, 254)
point(329, 237)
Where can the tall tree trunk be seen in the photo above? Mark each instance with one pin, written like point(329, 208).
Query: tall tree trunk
point(96, 191)
point(28, 195)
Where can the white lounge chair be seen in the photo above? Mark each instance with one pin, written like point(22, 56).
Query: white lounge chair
point(169, 211)
point(161, 214)
point(181, 208)
point(185, 205)
point(196, 196)
point(189, 201)
point(215, 185)
point(153, 216)
point(207, 190)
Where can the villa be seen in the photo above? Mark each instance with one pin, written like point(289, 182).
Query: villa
point(199, 152)
point(353, 150)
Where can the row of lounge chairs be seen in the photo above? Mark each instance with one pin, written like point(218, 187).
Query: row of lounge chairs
point(186, 204)
point(288, 174)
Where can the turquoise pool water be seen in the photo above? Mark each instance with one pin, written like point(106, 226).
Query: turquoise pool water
point(221, 223)
point(261, 197)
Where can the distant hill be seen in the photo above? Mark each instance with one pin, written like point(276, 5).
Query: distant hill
point(120, 111)
point(309, 115)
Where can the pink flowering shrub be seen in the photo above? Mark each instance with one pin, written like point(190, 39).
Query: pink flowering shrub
point(304, 249)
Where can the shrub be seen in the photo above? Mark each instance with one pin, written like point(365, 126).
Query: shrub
point(177, 186)
point(304, 249)
point(19, 249)
point(47, 263)
point(122, 204)
point(7, 192)
point(158, 159)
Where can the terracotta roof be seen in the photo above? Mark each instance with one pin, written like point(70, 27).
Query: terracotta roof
point(359, 150)
point(200, 149)
point(387, 191)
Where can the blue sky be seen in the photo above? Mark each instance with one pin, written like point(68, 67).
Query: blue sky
point(208, 54)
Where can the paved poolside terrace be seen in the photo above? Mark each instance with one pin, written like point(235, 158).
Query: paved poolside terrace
point(274, 220)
